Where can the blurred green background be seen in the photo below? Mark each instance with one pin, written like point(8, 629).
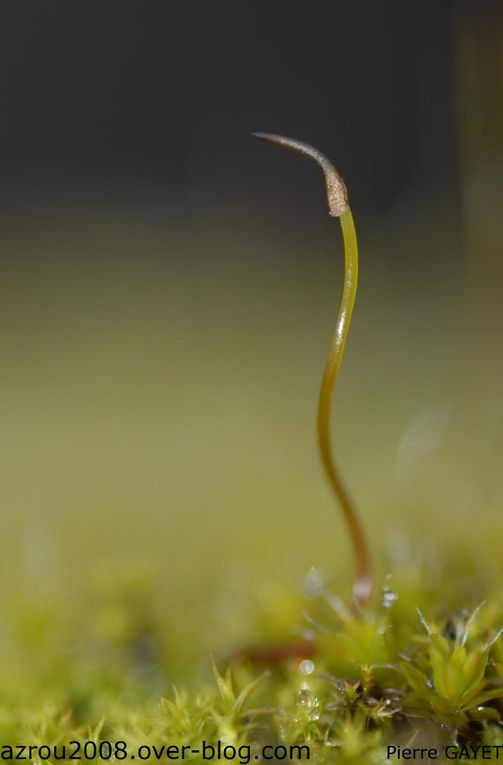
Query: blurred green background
point(168, 289)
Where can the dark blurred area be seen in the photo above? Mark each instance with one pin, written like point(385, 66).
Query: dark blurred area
point(128, 96)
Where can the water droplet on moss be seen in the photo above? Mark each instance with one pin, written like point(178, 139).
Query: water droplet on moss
point(388, 597)
point(306, 699)
point(306, 667)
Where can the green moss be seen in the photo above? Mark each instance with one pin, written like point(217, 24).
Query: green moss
point(385, 674)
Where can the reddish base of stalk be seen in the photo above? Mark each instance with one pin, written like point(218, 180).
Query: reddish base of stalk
point(276, 654)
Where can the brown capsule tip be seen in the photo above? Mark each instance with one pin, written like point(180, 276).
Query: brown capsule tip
point(337, 194)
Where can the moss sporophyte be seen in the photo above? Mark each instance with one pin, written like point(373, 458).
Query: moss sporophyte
point(384, 673)
point(338, 205)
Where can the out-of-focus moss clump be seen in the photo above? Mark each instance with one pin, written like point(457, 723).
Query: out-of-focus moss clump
point(410, 668)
